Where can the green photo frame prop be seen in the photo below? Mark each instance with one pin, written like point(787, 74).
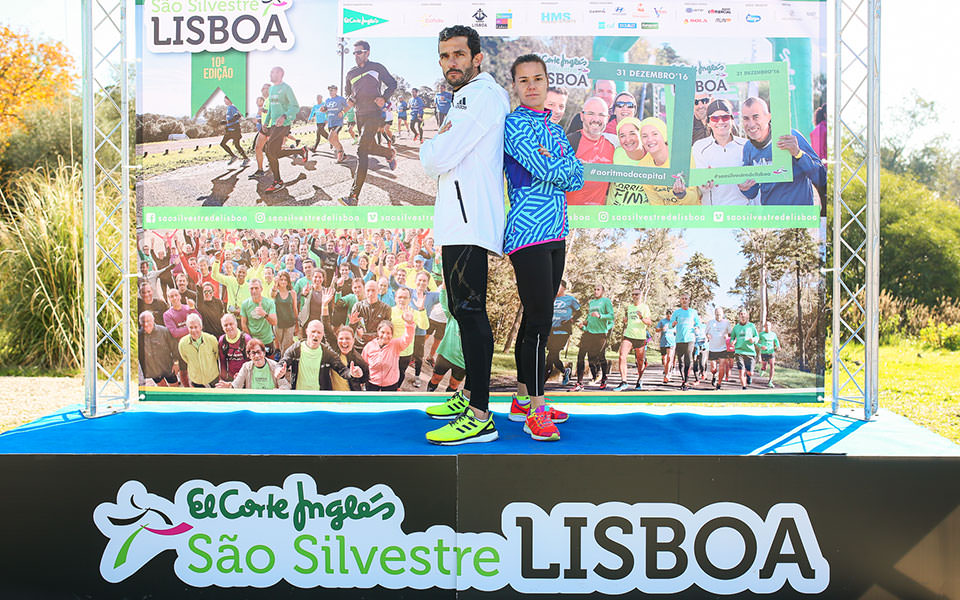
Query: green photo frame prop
point(679, 122)
point(781, 169)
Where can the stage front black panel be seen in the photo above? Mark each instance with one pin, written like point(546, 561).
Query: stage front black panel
point(120, 526)
point(53, 549)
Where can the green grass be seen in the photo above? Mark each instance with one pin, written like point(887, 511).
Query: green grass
point(156, 163)
point(28, 371)
point(504, 366)
point(922, 385)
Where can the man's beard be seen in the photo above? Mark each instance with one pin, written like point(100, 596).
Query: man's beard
point(467, 75)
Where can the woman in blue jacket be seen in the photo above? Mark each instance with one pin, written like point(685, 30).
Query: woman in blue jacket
point(540, 166)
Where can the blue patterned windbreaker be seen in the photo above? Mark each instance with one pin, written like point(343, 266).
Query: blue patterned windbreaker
point(536, 183)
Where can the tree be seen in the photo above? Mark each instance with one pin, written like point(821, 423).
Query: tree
point(699, 279)
point(919, 241)
point(666, 55)
point(32, 74)
point(403, 87)
point(799, 252)
point(652, 264)
point(46, 136)
point(899, 146)
point(763, 266)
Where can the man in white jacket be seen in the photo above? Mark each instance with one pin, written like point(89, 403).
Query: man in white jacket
point(467, 158)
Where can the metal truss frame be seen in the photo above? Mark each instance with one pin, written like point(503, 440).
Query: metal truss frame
point(106, 202)
point(856, 239)
point(856, 227)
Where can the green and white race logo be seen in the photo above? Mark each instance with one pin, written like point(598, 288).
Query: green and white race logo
point(230, 536)
point(217, 25)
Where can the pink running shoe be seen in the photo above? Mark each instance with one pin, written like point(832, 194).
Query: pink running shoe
point(540, 427)
point(519, 412)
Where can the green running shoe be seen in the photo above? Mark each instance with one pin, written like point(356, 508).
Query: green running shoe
point(465, 429)
point(450, 409)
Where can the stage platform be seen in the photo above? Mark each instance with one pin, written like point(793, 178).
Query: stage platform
point(227, 500)
point(332, 429)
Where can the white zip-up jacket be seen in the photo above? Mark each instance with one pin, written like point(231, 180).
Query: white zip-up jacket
point(467, 159)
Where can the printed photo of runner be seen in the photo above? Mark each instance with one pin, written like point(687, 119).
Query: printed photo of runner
point(313, 134)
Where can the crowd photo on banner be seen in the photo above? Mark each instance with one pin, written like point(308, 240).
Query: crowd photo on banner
point(241, 308)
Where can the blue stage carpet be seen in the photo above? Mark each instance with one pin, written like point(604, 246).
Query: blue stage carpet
point(148, 431)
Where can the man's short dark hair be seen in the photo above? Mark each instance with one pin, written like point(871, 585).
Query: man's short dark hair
point(362, 44)
point(473, 38)
point(558, 90)
point(526, 58)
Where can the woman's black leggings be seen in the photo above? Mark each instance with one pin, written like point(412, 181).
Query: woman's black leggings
point(539, 270)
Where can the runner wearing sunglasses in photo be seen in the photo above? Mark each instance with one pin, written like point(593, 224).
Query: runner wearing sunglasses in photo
point(722, 148)
point(624, 106)
point(700, 122)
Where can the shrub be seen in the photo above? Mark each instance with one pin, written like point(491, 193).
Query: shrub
point(41, 258)
point(941, 335)
point(45, 133)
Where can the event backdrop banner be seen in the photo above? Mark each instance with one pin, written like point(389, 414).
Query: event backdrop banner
point(718, 191)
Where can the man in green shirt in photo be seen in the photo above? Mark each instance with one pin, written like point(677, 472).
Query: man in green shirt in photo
point(769, 344)
point(281, 111)
point(258, 315)
point(745, 338)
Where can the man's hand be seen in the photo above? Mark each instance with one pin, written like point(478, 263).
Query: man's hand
point(746, 185)
point(789, 143)
point(379, 102)
point(280, 371)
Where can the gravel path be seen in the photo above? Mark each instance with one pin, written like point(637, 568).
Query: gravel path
point(25, 399)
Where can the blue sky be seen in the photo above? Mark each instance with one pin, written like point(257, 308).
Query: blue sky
point(720, 245)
